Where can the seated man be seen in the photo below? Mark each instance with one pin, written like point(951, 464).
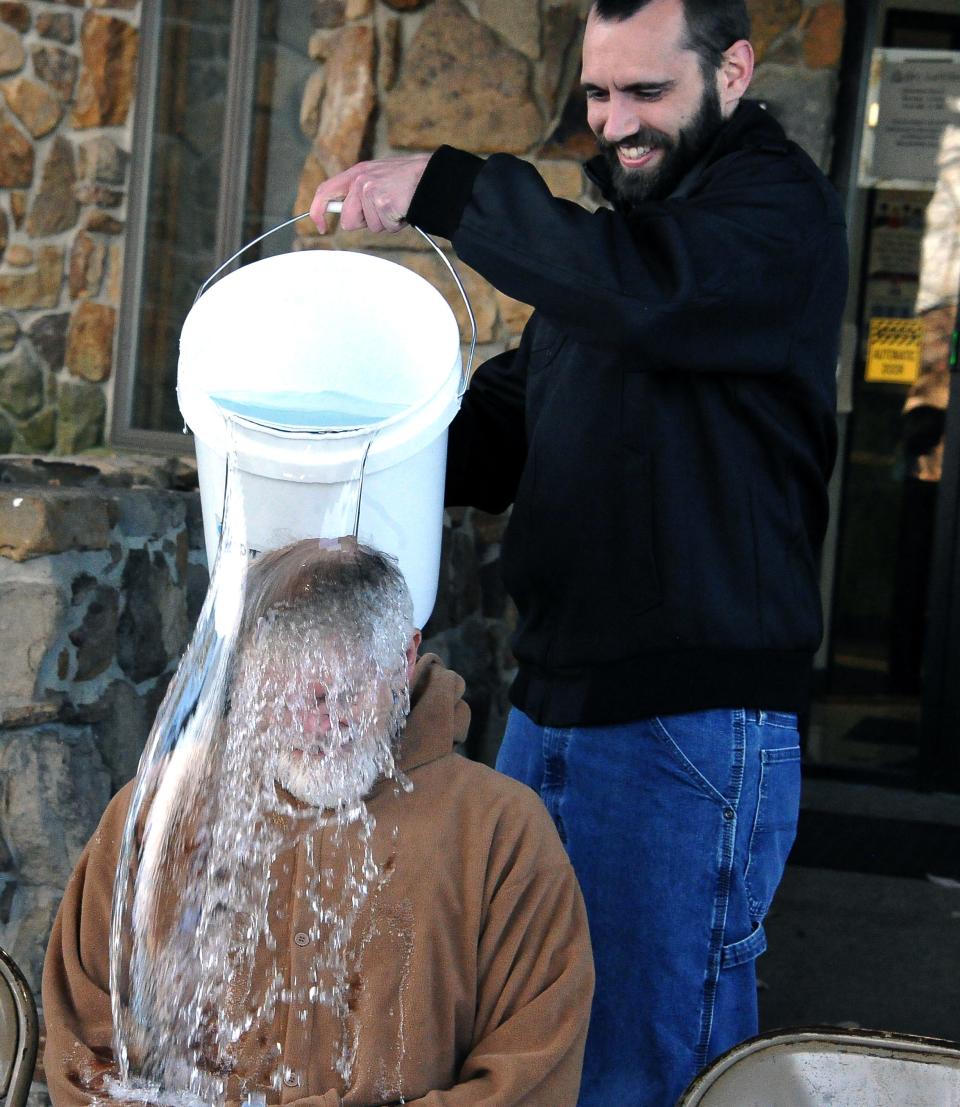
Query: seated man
point(426, 941)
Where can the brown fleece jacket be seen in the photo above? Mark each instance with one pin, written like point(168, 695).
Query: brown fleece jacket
point(474, 975)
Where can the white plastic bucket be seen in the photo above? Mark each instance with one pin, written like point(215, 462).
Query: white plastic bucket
point(310, 324)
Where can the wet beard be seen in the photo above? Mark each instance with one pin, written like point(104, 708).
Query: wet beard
point(339, 778)
point(635, 186)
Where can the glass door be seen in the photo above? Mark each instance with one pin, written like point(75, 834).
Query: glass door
point(884, 705)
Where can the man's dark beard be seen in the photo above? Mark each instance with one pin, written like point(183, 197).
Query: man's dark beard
point(634, 186)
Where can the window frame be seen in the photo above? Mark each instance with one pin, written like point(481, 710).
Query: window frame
point(234, 165)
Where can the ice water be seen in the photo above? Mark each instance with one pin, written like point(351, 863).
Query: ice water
point(191, 926)
point(321, 411)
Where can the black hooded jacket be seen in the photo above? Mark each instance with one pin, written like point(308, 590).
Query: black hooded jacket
point(665, 429)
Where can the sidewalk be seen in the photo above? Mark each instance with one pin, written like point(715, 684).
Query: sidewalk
point(859, 934)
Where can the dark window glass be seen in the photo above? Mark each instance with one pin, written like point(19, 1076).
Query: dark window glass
point(181, 246)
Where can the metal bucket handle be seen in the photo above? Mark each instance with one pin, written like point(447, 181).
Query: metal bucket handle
point(335, 207)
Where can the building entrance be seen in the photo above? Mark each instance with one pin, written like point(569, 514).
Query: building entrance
point(888, 695)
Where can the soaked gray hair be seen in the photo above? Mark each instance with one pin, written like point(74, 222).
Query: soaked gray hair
point(340, 584)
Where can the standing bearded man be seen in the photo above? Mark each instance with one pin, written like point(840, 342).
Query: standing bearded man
point(665, 432)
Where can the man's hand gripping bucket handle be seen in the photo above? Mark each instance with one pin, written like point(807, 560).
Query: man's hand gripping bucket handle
point(334, 207)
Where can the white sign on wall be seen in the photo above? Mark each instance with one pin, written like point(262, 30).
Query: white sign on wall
point(914, 96)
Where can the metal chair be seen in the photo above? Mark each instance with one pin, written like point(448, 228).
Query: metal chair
point(19, 1034)
point(810, 1067)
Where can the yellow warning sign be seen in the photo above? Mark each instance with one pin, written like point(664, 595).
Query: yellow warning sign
point(893, 350)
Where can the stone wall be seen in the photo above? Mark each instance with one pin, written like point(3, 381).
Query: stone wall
point(102, 574)
point(66, 87)
point(472, 622)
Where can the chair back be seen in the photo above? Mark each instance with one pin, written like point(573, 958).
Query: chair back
point(19, 1034)
point(809, 1067)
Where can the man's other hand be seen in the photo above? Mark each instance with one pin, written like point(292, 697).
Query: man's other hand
point(375, 194)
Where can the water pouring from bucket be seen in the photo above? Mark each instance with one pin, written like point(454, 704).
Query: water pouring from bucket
point(283, 717)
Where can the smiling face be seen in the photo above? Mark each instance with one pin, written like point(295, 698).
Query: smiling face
point(649, 102)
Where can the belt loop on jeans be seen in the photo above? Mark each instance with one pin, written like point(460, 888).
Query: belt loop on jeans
point(761, 717)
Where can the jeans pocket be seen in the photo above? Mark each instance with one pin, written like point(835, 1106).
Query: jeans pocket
point(774, 826)
point(700, 745)
point(785, 720)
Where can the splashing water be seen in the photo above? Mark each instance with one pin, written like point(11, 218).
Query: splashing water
point(270, 737)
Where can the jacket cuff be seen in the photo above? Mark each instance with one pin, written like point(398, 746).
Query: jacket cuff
point(444, 191)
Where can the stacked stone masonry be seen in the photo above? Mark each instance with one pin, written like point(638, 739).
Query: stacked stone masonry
point(67, 78)
point(101, 565)
point(102, 576)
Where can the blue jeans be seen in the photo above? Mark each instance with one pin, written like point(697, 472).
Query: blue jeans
point(678, 828)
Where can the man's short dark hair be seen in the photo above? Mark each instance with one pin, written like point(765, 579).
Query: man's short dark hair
point(712, 25)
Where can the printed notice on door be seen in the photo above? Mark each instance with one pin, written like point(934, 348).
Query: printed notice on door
point(893, 351)
point(913, 103)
